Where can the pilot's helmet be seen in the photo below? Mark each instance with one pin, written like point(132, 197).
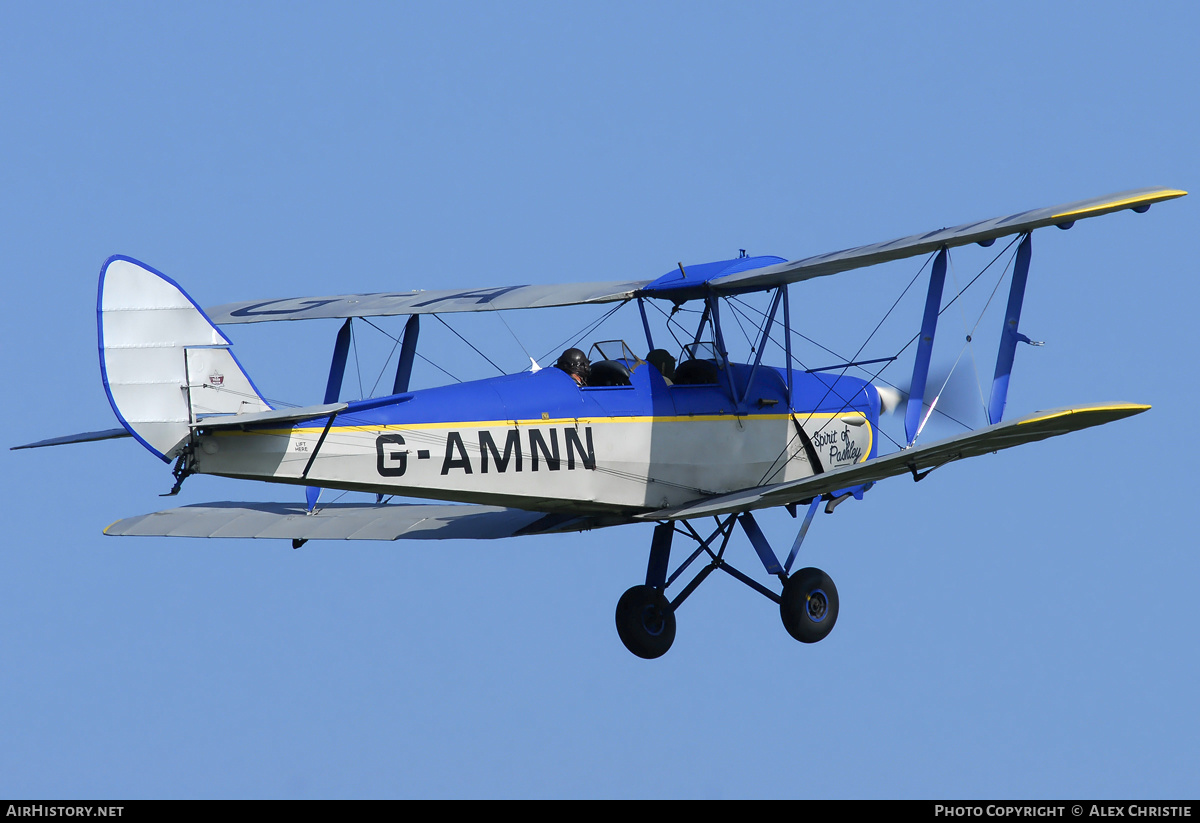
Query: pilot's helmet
point(573, 361)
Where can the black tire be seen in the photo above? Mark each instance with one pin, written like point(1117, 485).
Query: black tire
point(646, 622)
point(809, 605)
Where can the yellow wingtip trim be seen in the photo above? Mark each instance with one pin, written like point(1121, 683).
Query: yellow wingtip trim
point(1136, 408)
point(110, 525)
point(1148, 199)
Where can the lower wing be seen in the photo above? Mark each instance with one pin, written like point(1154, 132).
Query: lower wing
point(349, 522)
point(917, 461)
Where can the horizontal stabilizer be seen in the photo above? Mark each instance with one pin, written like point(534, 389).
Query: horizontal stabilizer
point(1037, 426)
point(82, 437)
point(236, 421)
point(346, 521)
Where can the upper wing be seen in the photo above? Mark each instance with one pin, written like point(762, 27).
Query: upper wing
point(424, 302)
point(981, 231)
point(344, 521)
point(1037, 426)
point(728, 276)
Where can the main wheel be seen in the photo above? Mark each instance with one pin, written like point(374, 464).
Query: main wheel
point(646, 622)
point(809, 606)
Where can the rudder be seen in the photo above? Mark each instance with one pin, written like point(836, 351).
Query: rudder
point(163, 362)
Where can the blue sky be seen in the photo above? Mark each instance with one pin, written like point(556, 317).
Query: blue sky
point(1020, 625)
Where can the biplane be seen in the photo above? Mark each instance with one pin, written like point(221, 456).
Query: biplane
point(683, 438)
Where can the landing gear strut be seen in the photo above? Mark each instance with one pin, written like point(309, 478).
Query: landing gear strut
point(646, 617)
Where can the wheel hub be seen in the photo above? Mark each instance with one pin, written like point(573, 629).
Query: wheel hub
point(653, 621)
point(818, 606)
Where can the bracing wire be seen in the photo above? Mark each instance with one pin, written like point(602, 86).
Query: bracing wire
point(469, 343)
point(500, 314)
point(418, 354)
point(357, 362)
point(875, 375)
point(388, 359)
point(588, 329)
point(671, 319)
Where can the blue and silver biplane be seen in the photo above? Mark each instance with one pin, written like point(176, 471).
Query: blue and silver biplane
point(672, 437)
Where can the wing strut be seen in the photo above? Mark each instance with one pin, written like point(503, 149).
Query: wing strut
point(645, 323)
point(719, 343)
point(408, 352)
point(916, 391)
point(1009, 336)
point(787, 347)
point(337, 368)
point(762, 345)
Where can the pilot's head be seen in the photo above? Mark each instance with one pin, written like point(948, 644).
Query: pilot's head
point(575, 363)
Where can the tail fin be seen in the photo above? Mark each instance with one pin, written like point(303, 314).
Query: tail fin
point(162, 360)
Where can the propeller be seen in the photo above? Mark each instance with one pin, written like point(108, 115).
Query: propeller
point(959, 397)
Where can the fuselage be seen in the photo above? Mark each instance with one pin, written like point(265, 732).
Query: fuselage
point(538, 441)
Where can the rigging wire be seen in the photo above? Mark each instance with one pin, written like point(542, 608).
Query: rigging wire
point(671, 319)
point(969, 334)
point(874, 376)
point(417, 353)
point(878, 372)
point(598, 324)
point(357, 362)
point(953, 300)
point(500, 314)
point(588, 329)
point(831, 389)
point(438, 317)
point(388, 359)
point(749, 342)
point(946, 308)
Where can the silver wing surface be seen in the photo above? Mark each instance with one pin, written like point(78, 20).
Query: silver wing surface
point(764, 277)
point(424, 302)
point(1037, 426)
point(981, 231)
point(344, 521)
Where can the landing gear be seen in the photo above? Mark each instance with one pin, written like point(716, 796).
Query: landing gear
point(646, 617)
point(809, 605)
point(646, 622)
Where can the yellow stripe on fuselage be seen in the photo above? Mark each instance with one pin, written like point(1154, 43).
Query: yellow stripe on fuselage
point(547, 421)
point(558, 421)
